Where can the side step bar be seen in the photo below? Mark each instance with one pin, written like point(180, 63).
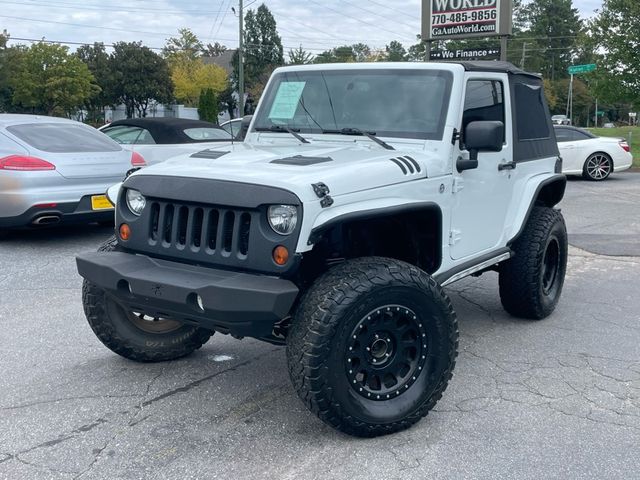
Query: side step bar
point(466, 269)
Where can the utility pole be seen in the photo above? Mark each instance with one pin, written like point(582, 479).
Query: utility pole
point(241, 63)
point(524, 55)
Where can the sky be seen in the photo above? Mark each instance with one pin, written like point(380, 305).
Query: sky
point(316, 25)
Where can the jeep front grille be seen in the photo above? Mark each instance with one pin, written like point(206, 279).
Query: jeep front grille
point(212, 232)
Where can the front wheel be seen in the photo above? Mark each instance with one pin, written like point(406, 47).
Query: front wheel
point(134, 335)
point(598, 167)
point(531, 282)
point(372, 346)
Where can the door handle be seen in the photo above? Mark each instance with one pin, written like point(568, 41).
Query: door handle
point(507, 166)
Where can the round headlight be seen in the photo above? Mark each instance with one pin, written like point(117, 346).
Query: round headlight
point(283, 218)
point(135, 201)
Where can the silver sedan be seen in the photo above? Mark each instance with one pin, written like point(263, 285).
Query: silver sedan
point(55, 170)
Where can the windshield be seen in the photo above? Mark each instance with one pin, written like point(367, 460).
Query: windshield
point(63, 138)
point(205, 134)
point(389, 103)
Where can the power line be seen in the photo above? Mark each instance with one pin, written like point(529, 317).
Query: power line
point(379, 15)
point(378, 27)
point(394, 9)
point(62, 5)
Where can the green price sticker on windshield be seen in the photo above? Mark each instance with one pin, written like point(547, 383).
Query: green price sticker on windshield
point(287, 99)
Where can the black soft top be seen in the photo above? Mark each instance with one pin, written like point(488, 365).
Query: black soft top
point(492, 66)
point(168, 130)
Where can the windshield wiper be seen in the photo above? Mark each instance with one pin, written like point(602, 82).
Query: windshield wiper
point(280, 128)
point(357, 131)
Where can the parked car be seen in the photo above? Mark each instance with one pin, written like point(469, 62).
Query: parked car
point(359, 191)
point(595, 158)
point(158, 139)
point(54, 170)
point(560, 120)
point(234, 128)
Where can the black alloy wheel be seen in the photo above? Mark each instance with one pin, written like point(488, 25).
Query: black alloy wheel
point(387, 351)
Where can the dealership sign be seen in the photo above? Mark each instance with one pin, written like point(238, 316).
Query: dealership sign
point(450, 19)
point(466, 54)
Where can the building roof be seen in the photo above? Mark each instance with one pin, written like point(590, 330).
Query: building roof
point(225, 61)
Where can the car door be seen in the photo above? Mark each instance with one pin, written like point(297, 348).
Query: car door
point(482, 195)
point(569, 150)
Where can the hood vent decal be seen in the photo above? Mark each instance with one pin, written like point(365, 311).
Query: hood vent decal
point(301, 160)
point(210, 154)
point(407, 164)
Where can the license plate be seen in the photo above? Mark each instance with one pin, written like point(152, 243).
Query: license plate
point(100, 202)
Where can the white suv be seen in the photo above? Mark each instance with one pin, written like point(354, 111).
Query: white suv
point(359, 192)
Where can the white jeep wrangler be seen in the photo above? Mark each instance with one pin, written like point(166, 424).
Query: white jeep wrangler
point(359, 192)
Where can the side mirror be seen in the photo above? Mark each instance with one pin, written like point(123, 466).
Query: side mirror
point(244, 126)
point(482, 136)
point(112, 193)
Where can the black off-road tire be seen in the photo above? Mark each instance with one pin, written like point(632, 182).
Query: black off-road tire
point(115, 329)
point(531, 282)
point(323, 327)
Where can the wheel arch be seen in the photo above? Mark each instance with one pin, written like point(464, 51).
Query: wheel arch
point(408, 232)
point(548, 193)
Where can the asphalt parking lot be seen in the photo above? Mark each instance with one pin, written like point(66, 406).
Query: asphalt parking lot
point(553, 399)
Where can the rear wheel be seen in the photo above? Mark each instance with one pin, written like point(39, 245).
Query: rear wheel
point(598, 167)
point(135, 335)
point(531, 282)
point(372, 346)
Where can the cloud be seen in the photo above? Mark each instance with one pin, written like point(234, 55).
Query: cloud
point(317, 25)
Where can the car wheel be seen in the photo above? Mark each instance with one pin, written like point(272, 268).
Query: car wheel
point(372, 346)
point(134, 335)
point(598, 167)
point(531, 282)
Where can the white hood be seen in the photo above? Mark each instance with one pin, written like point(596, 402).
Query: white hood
point(353, 167)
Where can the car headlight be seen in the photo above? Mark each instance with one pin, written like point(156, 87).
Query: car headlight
point(135, 201)
point(283, 218)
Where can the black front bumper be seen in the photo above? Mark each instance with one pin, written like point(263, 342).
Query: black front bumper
point(238, 303)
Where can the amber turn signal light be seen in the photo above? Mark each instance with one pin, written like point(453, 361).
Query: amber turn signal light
point(125, 232)
point(280, 255)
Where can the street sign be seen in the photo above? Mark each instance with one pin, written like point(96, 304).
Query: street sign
point(575, 69)
point(448, 19)
point(466, 54)
point(633, 114)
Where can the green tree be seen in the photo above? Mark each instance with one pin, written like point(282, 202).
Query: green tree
point(300, 56)
point(616, 31)
point(10, 61)
point(343, 54)
point(140, 76)
point(417, 52)
point(362, 52)
point(97, 60)
point(395, 52)
point(51, 81)
point(263, 46)
point(553, 27)
point(214, 50)
point(208, 106)
point(186, 44)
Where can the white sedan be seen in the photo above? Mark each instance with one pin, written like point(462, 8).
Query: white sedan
point(595, 158)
